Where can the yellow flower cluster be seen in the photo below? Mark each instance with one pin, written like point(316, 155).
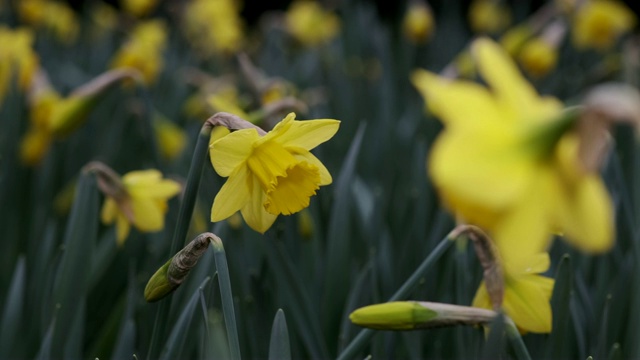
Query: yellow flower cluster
point(143, 51)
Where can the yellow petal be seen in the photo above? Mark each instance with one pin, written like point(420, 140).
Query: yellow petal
point(525, 301)
point(503, 76)
point(587, 219)
point(233, 195)
point(162, 189)
point(481, 299)
point(486, 174)
point(232, 150)
point(325, 176)
point(254, 213)
point(456, 103)
point(122, 229)
point(148, 217)
point(305, 134)
point(109, 211)
point(141, 177)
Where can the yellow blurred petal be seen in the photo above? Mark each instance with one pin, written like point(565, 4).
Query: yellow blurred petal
point(148, 217)
point(233, 195)
point(481, 299)
point(500, 72)
point(254, 213)
point(122, 229)
point(588, 221)
point(232, 150)
point(161, 189)
point(142, 177)
point(109, 211)
point(525, 301)
point(456, 103)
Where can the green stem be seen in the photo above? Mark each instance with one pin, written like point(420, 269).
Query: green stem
point(516, 340)
point(227, 297)
point(365, 335)
point(180, 233)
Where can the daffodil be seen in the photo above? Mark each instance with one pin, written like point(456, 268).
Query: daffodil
point(599, 23)
point(526, 293)
point(51, 15)
point(171, 138)
point(139, 8)
point(418, 23)
point(272, 174)
point(18, 61)
point(508, 161)
point(214, 26)
point(538, 57)
point(143, 51)
point(141, 201)
point(310, 24)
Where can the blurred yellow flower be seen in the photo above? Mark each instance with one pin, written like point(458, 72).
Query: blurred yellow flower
point(172, 139)
point(310, 24)
point(141, 203)
point(52, 15)
point(599, 23)
point(514, 38)
point(538, 57)
point(508, 160)
point(272, 174)
point(143, 51)
point(18, 61)
point(214, 26)
point(139, 8)
point(526, 294)
point(418, 23)
point(488, 16)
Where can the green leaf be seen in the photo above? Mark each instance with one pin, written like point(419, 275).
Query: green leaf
point(175, 342)
point(494, 347)
point(12, 313)
point(72, 277)
point(227, 298)
point(560, 345)
point(279, 346)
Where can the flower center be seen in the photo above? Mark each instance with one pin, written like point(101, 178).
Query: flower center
point(292, 191)
point(268, 162)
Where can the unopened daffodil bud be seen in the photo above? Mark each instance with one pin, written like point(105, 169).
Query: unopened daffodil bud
point(409, 315)
point(418, 23)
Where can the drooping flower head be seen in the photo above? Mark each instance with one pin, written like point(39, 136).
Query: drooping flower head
point(272, 174)
point(508, 159)
point(140, 200)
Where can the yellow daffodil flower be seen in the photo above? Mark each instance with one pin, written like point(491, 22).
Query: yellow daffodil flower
point(538, 57)
point(172, 139)
point(141, 203)
point(418, 23)
point(599, 23)
point(272, 174)
point(526, 294)
point(508, 162)
point(18, 61)
point(214, 26)
point(514, 38)
point(143, 51)
point(488, 16)
point(52, 15)
point(139, 8)
point(310, 24)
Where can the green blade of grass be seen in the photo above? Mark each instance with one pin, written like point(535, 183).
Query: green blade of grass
point(560, 304)
point(13, 309)
point(494, 346)
point(227, 297)
point(175, 342)
point(72, 277)
point(279, 345)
